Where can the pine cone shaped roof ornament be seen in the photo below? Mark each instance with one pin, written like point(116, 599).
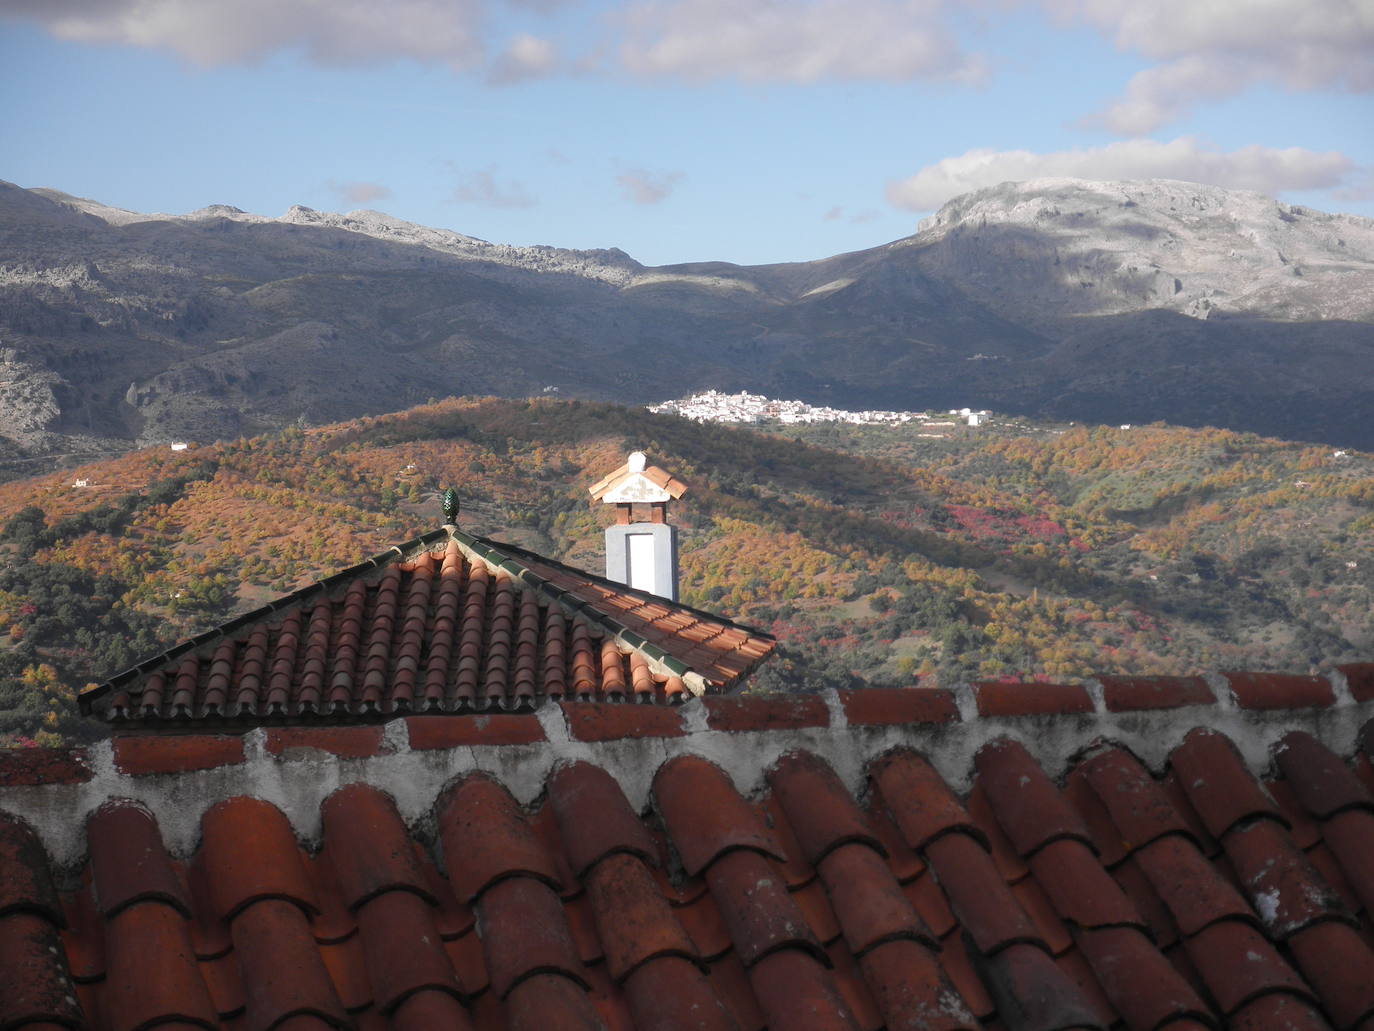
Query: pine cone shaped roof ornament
point(450, 503)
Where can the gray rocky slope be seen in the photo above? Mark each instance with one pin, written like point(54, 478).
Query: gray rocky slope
point(1118, 302)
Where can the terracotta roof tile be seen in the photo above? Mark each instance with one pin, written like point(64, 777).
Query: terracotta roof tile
point(83, 937)
point(911, 990)
point(671, 994)
point(1323, 783)
point(347, 966)
point(1359, 676)
point(819, 810)
point(430, 1009)
point(551, 1002)
point(1026, 803)
point(1350, 838)
point(1340, 966)
point(486, 838)
point(756, 907)
point(128, 861)
point(918, 799)
point(814, 903)
point(886, 708)
point(1139, 982)
point(1107, 839)
point(996, 698)
point(634, 921)
point(1238, 965)
point(594, 817)
point(283, 973)
point(1189, 886)
point(796, 991)
point(1081, 976)
point(901, 858)
point(702, 921)
point(25, 880)
point(177, 992)
point(1278, 1013)
point(1126, 694)
point(957, 965)
point(931, 906)
point(984, 904)
point(706, 816)
point(497, 627)
point(249, 852)
point(867, 900)
point(796, 871)
point(37, 985)
point(1025, 981)
point(1279, 691)
point(1012, 866)
point(1082, 892)
point(1132, 904)
point(775, 713)
point(524, 933)
point(1048, 924)
point(1286, 890)
point(1304, 830)
point(1133, 800)
point(404, 951)
point(1137, 886)
point(371, 852)
point(1217, 783)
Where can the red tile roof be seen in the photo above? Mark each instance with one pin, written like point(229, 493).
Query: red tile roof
point(803, 866)
point(445, 623)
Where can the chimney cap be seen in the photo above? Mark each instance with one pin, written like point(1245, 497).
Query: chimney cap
point(637, 481)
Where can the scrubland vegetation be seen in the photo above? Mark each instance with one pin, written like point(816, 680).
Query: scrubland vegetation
point(876, 555)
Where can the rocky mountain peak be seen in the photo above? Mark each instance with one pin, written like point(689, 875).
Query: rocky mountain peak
point(1110, 247)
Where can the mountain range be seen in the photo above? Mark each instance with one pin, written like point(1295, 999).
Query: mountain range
point(1100, 302)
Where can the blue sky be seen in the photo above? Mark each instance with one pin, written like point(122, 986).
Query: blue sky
point(678, 130)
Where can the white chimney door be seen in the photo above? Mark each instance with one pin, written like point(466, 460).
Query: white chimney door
point(641, 562)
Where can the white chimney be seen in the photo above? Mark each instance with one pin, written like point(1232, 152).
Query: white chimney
point(641, 548)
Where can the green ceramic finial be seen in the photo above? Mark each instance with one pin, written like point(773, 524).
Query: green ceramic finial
point(450, 503)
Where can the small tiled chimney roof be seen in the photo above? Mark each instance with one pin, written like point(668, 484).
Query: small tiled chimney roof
point(638, 481)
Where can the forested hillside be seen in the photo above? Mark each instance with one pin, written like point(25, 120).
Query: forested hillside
point(875, 554)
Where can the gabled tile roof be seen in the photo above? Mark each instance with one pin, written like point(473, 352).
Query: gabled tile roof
point(448, 622)
point(1148, 853)
point(660, 478)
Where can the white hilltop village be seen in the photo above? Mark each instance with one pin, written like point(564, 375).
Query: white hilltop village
point(714, 406)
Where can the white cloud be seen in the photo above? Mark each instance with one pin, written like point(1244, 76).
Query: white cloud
point(527, 57)
point(359, 192)
point(1267, 169)
point(644, 187)
point(793, 40)
point(1217, 48)
point(482, 188)
point(215, 32)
